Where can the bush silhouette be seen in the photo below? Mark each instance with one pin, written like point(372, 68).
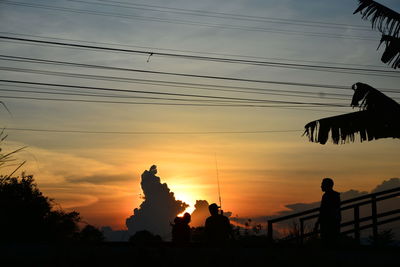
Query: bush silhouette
point(91, 234)
point(28, 215)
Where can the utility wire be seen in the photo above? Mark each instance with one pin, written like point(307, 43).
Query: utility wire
point(232, 14)
point(162, 103)
point(337, 87)
point(246, 90)
point(186, 22)
point(393, 74)
point(225, 88)
point(67, 92)
point(175, 94)
point(189, 51)
point(149, 132)
point(203, 13)
point(124, 97)
point(203, 58)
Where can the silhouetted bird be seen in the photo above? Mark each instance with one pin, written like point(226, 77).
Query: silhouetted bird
point(329, 215)
point(218, 228)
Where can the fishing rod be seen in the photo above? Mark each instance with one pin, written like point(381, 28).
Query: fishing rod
point(219, 189)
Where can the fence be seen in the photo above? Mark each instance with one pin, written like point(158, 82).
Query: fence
point(375, 219)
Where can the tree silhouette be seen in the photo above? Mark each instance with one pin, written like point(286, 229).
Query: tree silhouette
point(91, 234)
point(27, 215)
point(387, 21)
point(379, 117)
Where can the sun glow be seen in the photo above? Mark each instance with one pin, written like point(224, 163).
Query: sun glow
point(188, 199)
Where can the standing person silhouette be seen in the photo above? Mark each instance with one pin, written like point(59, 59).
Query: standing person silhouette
point(217, 227)
point(181, 231)
point(329, 214)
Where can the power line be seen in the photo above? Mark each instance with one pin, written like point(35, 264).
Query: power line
point(114, 96)
point(186, 22)
point(233, 14)
point(149, 132)
point(192, 51)
point(174, 94)
point(124, 96)
point(255, 105)
point(206, 58)
point(197, 100)
point(235, 89)
point(203, 13)
point(337, 87)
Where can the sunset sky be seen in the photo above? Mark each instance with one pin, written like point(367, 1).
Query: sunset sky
point(263, 160)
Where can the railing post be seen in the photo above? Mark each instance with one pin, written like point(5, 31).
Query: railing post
point(270, 237)
point(374, 219)
point(301, 231)
point(357, 223)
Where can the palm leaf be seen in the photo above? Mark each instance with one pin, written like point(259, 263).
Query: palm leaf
point(379, 117)
point(392, 50)
point(386, 20)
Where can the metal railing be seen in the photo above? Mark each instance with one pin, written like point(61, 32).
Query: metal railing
point(355, 204)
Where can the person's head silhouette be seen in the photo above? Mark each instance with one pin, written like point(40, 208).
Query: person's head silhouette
point(213, 208)
point(327, 184)
point(186, 218)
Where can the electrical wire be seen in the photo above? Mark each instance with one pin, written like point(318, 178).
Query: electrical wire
point(147, 133)
point(192, 51)
point(203, 13)
point(187, 22)
point(175, 94)
point(204, 58)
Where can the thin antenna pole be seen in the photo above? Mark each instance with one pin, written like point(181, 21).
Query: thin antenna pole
point(219, 189)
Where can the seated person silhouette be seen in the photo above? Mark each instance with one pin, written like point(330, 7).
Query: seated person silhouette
point(329, 214)
point(181, 229)
point(217, 227)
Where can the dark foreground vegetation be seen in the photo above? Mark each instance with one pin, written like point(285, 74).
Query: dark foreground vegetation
point(196, 254)
point(29, 216)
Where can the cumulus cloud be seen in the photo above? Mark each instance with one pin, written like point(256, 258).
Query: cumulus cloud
point(200, 214)
point(386, 185)
point(158, 209)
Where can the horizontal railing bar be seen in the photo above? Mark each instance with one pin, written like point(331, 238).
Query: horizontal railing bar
point(384, 214)
point(342, 203)
point(364, 219)
point(369, 201)
point(354, 205)
point(353, 230)
point(370, 225)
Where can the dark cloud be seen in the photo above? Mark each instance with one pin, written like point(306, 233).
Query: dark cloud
point(158, 209)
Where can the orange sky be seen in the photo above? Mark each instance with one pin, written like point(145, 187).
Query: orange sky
point(258, 175)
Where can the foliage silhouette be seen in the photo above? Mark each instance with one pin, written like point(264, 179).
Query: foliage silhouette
point(28, 215)
point(377, 118)
point(91, 234)
point(387, 21)
point(144, 236)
